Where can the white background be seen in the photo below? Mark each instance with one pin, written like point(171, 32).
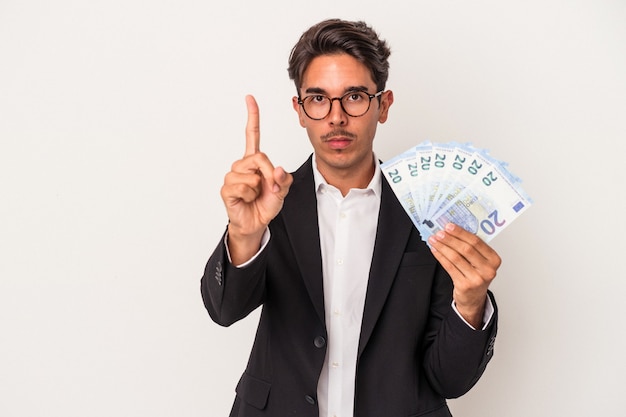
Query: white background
point(118, 120)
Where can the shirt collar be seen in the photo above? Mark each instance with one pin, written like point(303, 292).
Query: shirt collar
point(374, 186)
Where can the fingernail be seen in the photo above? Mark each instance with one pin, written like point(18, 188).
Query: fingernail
point(276, 188)
point(441, 235)
point(450, 226)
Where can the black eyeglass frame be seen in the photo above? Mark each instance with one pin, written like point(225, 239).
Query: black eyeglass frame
point(330, 108)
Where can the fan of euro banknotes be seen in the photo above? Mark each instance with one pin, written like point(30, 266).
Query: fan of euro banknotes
point(440, 183)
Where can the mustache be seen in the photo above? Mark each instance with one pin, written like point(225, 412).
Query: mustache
point(338, 132)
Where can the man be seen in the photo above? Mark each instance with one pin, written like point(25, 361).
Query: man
point(360, 317)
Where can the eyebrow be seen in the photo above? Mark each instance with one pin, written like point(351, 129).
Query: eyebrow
point(318, 90)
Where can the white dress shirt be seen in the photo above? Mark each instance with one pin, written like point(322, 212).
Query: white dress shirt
point(347, 228)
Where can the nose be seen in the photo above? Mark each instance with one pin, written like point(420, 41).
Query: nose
point(337, 117)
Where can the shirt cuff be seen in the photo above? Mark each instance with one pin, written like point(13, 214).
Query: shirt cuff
point(489, 310)
point(264, 240)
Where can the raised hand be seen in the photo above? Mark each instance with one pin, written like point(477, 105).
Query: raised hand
point(253, 192)
point(471, 263)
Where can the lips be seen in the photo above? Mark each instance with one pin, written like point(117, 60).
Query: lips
point(338, 143)
point(338, 139)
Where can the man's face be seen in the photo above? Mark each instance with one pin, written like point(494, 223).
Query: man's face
point(343, 144)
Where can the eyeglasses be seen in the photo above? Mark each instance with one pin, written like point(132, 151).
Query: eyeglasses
point(353, 103)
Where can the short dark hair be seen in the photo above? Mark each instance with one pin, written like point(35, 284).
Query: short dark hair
point(336, 36)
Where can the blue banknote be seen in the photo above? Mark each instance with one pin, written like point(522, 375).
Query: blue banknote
point(439, 183)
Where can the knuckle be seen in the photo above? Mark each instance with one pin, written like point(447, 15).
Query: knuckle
point(455, 257)
point(466, 249)
point(236, 166)
point(224, 192)
point(228, 177)
point(249, 189)
point(497, 261)
point(473, 240)
point(490, 274)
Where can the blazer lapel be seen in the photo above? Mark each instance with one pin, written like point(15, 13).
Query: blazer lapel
point(394, 228)
point(300, 216)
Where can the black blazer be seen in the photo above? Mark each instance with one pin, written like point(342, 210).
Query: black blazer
point(414, 350)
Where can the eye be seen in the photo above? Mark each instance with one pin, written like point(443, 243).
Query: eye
point(355, 97)
point(317, 99)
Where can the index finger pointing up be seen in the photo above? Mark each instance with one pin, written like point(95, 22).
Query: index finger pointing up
point(253, 133)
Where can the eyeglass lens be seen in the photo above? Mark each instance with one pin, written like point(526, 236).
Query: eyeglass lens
point(354, 103)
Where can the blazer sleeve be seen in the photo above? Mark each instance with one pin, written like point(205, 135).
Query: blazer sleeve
point(230, 293)
point(455, 354)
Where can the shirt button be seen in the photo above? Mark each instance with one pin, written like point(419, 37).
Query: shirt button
point(342, 215)
point(319, 342)
point(339, 261)
point(335, 365)
point(309, 399)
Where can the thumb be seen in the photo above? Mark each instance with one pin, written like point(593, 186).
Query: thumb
point(282, 182)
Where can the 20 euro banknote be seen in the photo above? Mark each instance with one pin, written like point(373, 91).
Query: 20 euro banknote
point(438, 183)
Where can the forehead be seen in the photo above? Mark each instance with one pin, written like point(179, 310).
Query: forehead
point(336, 73)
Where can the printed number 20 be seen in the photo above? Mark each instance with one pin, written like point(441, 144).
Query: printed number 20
point(489, 226)
point(395, 176)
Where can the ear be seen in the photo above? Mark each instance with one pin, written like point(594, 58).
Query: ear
point(386, 101)
point(298, 108)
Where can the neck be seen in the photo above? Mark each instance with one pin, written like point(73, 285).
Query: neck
point(346, 179)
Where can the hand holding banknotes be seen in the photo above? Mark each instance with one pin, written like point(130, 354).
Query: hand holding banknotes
point(253, 192)
point(472, 265)
point(458, 197)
